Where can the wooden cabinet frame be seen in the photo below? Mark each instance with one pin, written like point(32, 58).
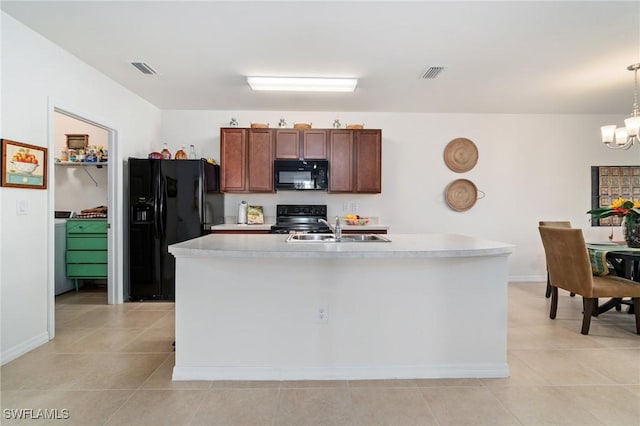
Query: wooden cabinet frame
point(308, 144)
point(355, 161)
point(246, 160)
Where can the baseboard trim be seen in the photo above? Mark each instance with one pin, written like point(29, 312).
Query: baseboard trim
point(444, 371)
point(23, 348)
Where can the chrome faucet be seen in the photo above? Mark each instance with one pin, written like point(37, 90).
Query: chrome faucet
point(336, 229)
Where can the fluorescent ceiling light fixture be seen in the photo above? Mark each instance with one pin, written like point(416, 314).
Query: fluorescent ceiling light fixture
point(303, 84)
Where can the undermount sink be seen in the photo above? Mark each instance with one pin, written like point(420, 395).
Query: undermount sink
point(311, 237)
point(365, 238)
point(330, 238)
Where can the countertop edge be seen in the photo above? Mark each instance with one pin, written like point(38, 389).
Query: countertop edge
point(267, 226)
point(402, 246)
point(185, 252)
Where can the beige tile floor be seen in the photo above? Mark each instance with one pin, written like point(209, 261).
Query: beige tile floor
point(111, 365)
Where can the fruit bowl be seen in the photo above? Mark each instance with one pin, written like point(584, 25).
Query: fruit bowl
point(357, 221)
point(24, 167)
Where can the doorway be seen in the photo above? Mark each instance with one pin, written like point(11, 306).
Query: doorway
point(81, 190)
point(84, 187)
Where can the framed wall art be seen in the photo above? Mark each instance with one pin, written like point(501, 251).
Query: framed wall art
point(23, 165)
point(609, 183)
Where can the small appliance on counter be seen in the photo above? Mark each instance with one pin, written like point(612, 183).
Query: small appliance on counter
point(64, 214)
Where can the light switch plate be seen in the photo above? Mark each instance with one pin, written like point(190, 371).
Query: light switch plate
point(22, 207)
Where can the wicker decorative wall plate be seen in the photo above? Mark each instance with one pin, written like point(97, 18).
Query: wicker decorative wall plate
point(461, 194)
point(461, 155)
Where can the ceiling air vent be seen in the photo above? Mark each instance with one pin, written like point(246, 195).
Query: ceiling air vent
point(144, 68)
point(432, 72)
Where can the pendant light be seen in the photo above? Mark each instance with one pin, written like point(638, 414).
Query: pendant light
point(625, 136)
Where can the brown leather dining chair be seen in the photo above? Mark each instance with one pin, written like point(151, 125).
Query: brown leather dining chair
point(556, 224)
point(570, 268)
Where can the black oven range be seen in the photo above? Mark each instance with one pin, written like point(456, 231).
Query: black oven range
point(300, 218)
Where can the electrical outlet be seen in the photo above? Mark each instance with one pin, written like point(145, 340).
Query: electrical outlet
point(354, 207)
point(322, 314)
point(345, 207)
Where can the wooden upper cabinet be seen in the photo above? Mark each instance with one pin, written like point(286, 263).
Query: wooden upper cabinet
point(233, 143)
point(246, 160)
point(293, 144)
point(260, 160)
point(287, 144)
point(314, 144)
point(355, 161)
point(341, 161)
point(368, 161)
point(246, 157)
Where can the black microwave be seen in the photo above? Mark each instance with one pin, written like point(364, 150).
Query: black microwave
point(301, 174)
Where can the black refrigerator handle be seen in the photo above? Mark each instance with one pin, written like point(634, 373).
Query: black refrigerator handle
point(163, 211)
point(200, 197)
point(156, 204)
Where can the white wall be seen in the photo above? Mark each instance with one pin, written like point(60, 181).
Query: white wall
point(35, 73)
point(75, 189)
point(531, 167)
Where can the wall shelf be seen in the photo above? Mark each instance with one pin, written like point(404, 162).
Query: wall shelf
point(83, 164)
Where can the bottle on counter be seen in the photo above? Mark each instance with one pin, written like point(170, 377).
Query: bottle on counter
point(181, 154)
point(166, 154)
point(192, 152)
point(242, 213)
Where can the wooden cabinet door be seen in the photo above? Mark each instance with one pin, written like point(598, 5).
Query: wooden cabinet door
point(314, 144)
point(287, 145)
point(260, 160)
point(368, 160)
point(341, 161)
point(232, 159)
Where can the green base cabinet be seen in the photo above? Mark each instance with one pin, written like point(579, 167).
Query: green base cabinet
point(86, 249)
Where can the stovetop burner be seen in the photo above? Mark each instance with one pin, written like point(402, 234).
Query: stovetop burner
point(300, 218)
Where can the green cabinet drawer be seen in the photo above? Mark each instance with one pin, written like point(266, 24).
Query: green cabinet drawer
point(86, 226)
point(87, 270)
point(97, 256)
point(86, 249)
point(88, 243)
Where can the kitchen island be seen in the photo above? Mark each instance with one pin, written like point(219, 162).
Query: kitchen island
point(254, 307)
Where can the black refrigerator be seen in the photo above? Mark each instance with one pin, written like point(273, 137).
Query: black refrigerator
point(169, 201)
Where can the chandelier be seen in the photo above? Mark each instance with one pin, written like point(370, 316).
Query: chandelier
point(625, 136)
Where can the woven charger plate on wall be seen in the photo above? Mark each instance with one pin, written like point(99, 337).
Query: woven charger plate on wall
point(461, 155)
point(461, 194)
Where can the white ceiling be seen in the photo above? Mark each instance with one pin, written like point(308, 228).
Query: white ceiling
point(500, 57)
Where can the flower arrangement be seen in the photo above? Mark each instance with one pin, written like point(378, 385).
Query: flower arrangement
point(626, 208)
point(629, 211)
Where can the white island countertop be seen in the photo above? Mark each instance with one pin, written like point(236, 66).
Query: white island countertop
point(401, 246)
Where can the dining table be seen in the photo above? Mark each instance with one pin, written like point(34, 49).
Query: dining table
point(615, 258)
